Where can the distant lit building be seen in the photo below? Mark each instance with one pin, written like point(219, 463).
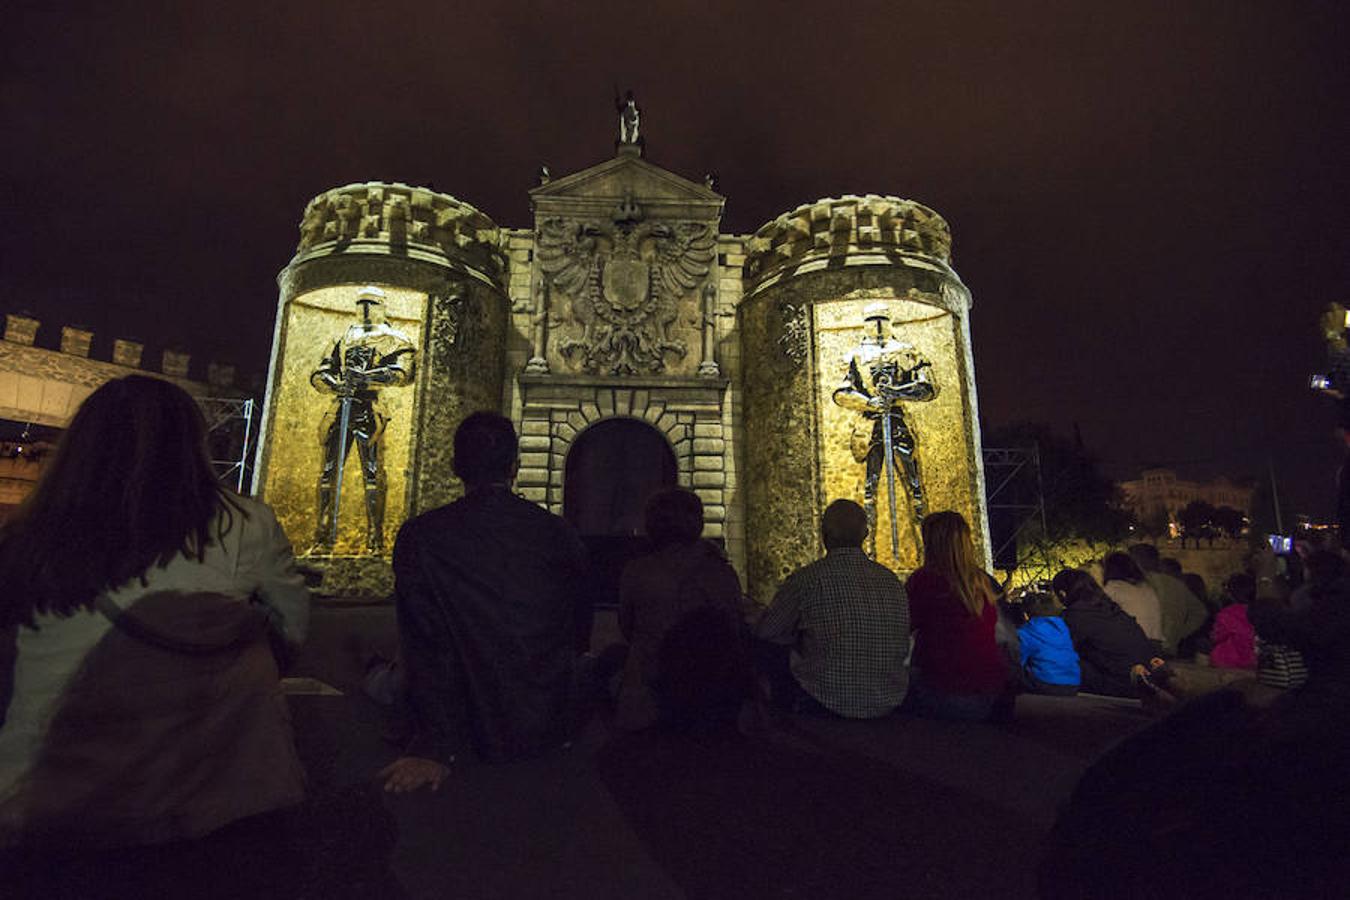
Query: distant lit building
point(1161, 491)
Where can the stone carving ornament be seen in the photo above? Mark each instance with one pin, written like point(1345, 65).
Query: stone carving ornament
point(625, 279)
point(796, 336)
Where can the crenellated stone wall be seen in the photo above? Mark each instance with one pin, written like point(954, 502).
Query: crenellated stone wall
point(850, 225)
point(400, 220)
point(46, 387)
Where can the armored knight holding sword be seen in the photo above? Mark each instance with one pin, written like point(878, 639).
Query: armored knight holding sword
point(370, 355)
point(883, 375)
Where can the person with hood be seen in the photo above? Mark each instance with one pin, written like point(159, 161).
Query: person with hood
point(1109, 642)
point(144, 607)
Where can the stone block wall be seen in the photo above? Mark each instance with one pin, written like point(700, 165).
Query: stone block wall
point(555, 410)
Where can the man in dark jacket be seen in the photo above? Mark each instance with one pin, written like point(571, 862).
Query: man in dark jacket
point(491, 617)
point(1108, 640)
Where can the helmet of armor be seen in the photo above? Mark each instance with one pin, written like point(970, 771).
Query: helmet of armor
point(371, 300)
point(874, 311)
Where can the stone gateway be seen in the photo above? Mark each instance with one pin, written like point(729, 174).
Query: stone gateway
point(625, 301)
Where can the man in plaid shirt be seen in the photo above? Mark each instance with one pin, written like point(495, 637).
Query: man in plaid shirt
point(845, 621)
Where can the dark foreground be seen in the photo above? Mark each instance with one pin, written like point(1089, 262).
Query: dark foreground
point(897, 807)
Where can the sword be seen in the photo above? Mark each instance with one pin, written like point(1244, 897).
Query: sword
point(888, 447)
point(344, 419)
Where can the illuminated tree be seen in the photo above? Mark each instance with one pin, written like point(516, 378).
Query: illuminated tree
point(1084, 516)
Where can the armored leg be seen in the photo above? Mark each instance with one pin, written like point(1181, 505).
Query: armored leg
point(372, 476)
point(907, 460)
point(325, 527)
point(870, 484)
point(375, 519)
point(910, 466)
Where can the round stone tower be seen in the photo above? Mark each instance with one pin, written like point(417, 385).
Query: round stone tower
point(417, 279)
point(816, 280)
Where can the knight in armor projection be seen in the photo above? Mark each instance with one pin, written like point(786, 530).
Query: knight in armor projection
point(370, 355)
point(883, 375)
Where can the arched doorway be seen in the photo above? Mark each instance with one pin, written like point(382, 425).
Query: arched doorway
point(612, 468)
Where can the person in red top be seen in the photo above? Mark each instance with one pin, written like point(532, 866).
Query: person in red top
point(1233, 636)
point(958, 671)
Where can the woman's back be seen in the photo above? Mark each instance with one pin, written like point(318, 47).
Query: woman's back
point(954, 650)
point(252, 559)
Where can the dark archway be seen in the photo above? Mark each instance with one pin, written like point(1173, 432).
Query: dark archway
point(611, 470)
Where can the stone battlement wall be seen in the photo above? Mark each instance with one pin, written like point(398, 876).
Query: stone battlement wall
point(47, 386)
point(400, 219)
point(850, 224)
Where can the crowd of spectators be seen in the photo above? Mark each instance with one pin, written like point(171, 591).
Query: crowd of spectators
point(192, 593)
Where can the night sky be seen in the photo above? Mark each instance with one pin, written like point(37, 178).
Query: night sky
point(1149, 200)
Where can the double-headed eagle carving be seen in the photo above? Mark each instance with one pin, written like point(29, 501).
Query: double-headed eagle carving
point(624, 280)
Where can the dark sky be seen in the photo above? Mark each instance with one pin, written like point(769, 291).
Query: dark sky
point(1148, 199)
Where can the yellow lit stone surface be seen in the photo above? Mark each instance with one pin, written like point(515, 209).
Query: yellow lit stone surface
point(76, 341)
point(807, 277)
point(940, 425)
point(313, 323)
point(779, 477)
point(21, 329)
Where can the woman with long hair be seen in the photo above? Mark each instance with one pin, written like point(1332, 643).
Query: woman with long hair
point(141, 603)
point(958, 670)
point(1125, 584)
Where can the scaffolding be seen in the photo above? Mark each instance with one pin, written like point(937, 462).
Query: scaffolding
point(1015, 496)
point(231, 435)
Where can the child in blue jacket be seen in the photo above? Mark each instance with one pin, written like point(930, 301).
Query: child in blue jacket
point(1049, 663)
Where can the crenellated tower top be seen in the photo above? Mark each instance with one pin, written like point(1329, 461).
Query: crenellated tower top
point(850, 225)
point(397, 219)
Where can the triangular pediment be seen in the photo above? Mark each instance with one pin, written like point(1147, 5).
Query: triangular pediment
point(627, 175)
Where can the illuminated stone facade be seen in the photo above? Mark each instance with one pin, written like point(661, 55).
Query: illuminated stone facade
point(625, 299)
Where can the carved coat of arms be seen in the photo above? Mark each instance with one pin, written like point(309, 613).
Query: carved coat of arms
point(624, 279)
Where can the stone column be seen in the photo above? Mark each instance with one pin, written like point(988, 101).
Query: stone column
point(708, 367)
point(538, 364)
